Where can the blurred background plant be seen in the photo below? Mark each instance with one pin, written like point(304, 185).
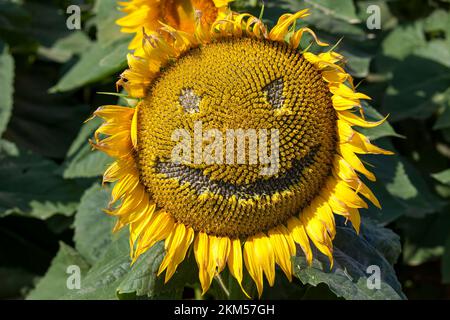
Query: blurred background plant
point(51, 199)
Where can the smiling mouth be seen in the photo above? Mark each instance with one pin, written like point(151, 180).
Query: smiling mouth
point(262, 187)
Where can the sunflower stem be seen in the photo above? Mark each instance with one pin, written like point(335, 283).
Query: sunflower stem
point(219, 280)
point(198, 294)
point(261, 13)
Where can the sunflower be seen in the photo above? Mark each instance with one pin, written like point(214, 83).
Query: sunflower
point(145, 16)
point(237, 74)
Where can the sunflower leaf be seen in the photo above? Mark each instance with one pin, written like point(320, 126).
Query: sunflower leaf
point(142, 281)
point(398, 44)
point(424, 239)
point(383, 130)
point(420, 93)
point(351, 276)
point(6, 79)
point(31, 186)
point(106, 15)
point(14, 280)
point(106, 274)
point(54, 283)
point(443, 121)
point(98, 62)
point(43, 123)
point(14, 24)
point(400, 187)
point(93, 227)
point(344, 10)
point(443, 177)
point(82, 161)
point(338, 18)
point(112, 276)
point(446, 263)
point(65, 48)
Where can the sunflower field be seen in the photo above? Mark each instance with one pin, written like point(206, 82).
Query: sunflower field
point(356, 94)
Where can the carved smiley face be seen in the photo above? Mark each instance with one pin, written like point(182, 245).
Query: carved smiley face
point(247, 85)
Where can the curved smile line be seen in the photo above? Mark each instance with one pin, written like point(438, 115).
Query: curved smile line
point(202, 184)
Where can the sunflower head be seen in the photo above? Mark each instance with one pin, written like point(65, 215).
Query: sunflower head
point(236, 79)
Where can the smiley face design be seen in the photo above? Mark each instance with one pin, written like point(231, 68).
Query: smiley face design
point(233, 85)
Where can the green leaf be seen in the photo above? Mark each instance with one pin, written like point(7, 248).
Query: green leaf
point(31, 186)
point(424, 238)
point(418, 94)
point(98, 62)
point(87, 163)
point(112, 276)
point(7, 80)
point(14, 282)
point(402, 41)
point(388, 20)
point(331, 17)
point(93, 227)
point(106, 274)
point(63, 49)
point(392, 208)
point(332, 20)
point(343, 10)
point(8, 148)
point(14, 24)
point(400, 188)
point(439, 20)
point(106, 15)
point(446, 263)
point(384, 240)
point(82, 161)
point(44, 123)
point(53, 27)
point(358, 62)
point(443, 121)
point(54, 284)
point(383, 130)
point(349, 276)
point(443, 177)
point(398, 44)
point(142, 280)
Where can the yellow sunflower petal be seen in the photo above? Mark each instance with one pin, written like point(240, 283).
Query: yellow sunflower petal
point(253, 267)
point(127, 184)
point(259, 258)
point(298, 35)
point(220, 248)
point(347, 195)
point(361, 144)
point(346, 92)
point(235, 262)
point(114, 113)
point(349, 155)
point(282, 27)
point(284, 248)
point(317, 232)
point(159, 229)
point(204, 260)
point(176, 245)
point(355, 218)
point(357, 121)
point(134, 124)
point(298, 233)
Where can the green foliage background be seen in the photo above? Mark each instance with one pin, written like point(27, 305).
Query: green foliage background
point(51, 199)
